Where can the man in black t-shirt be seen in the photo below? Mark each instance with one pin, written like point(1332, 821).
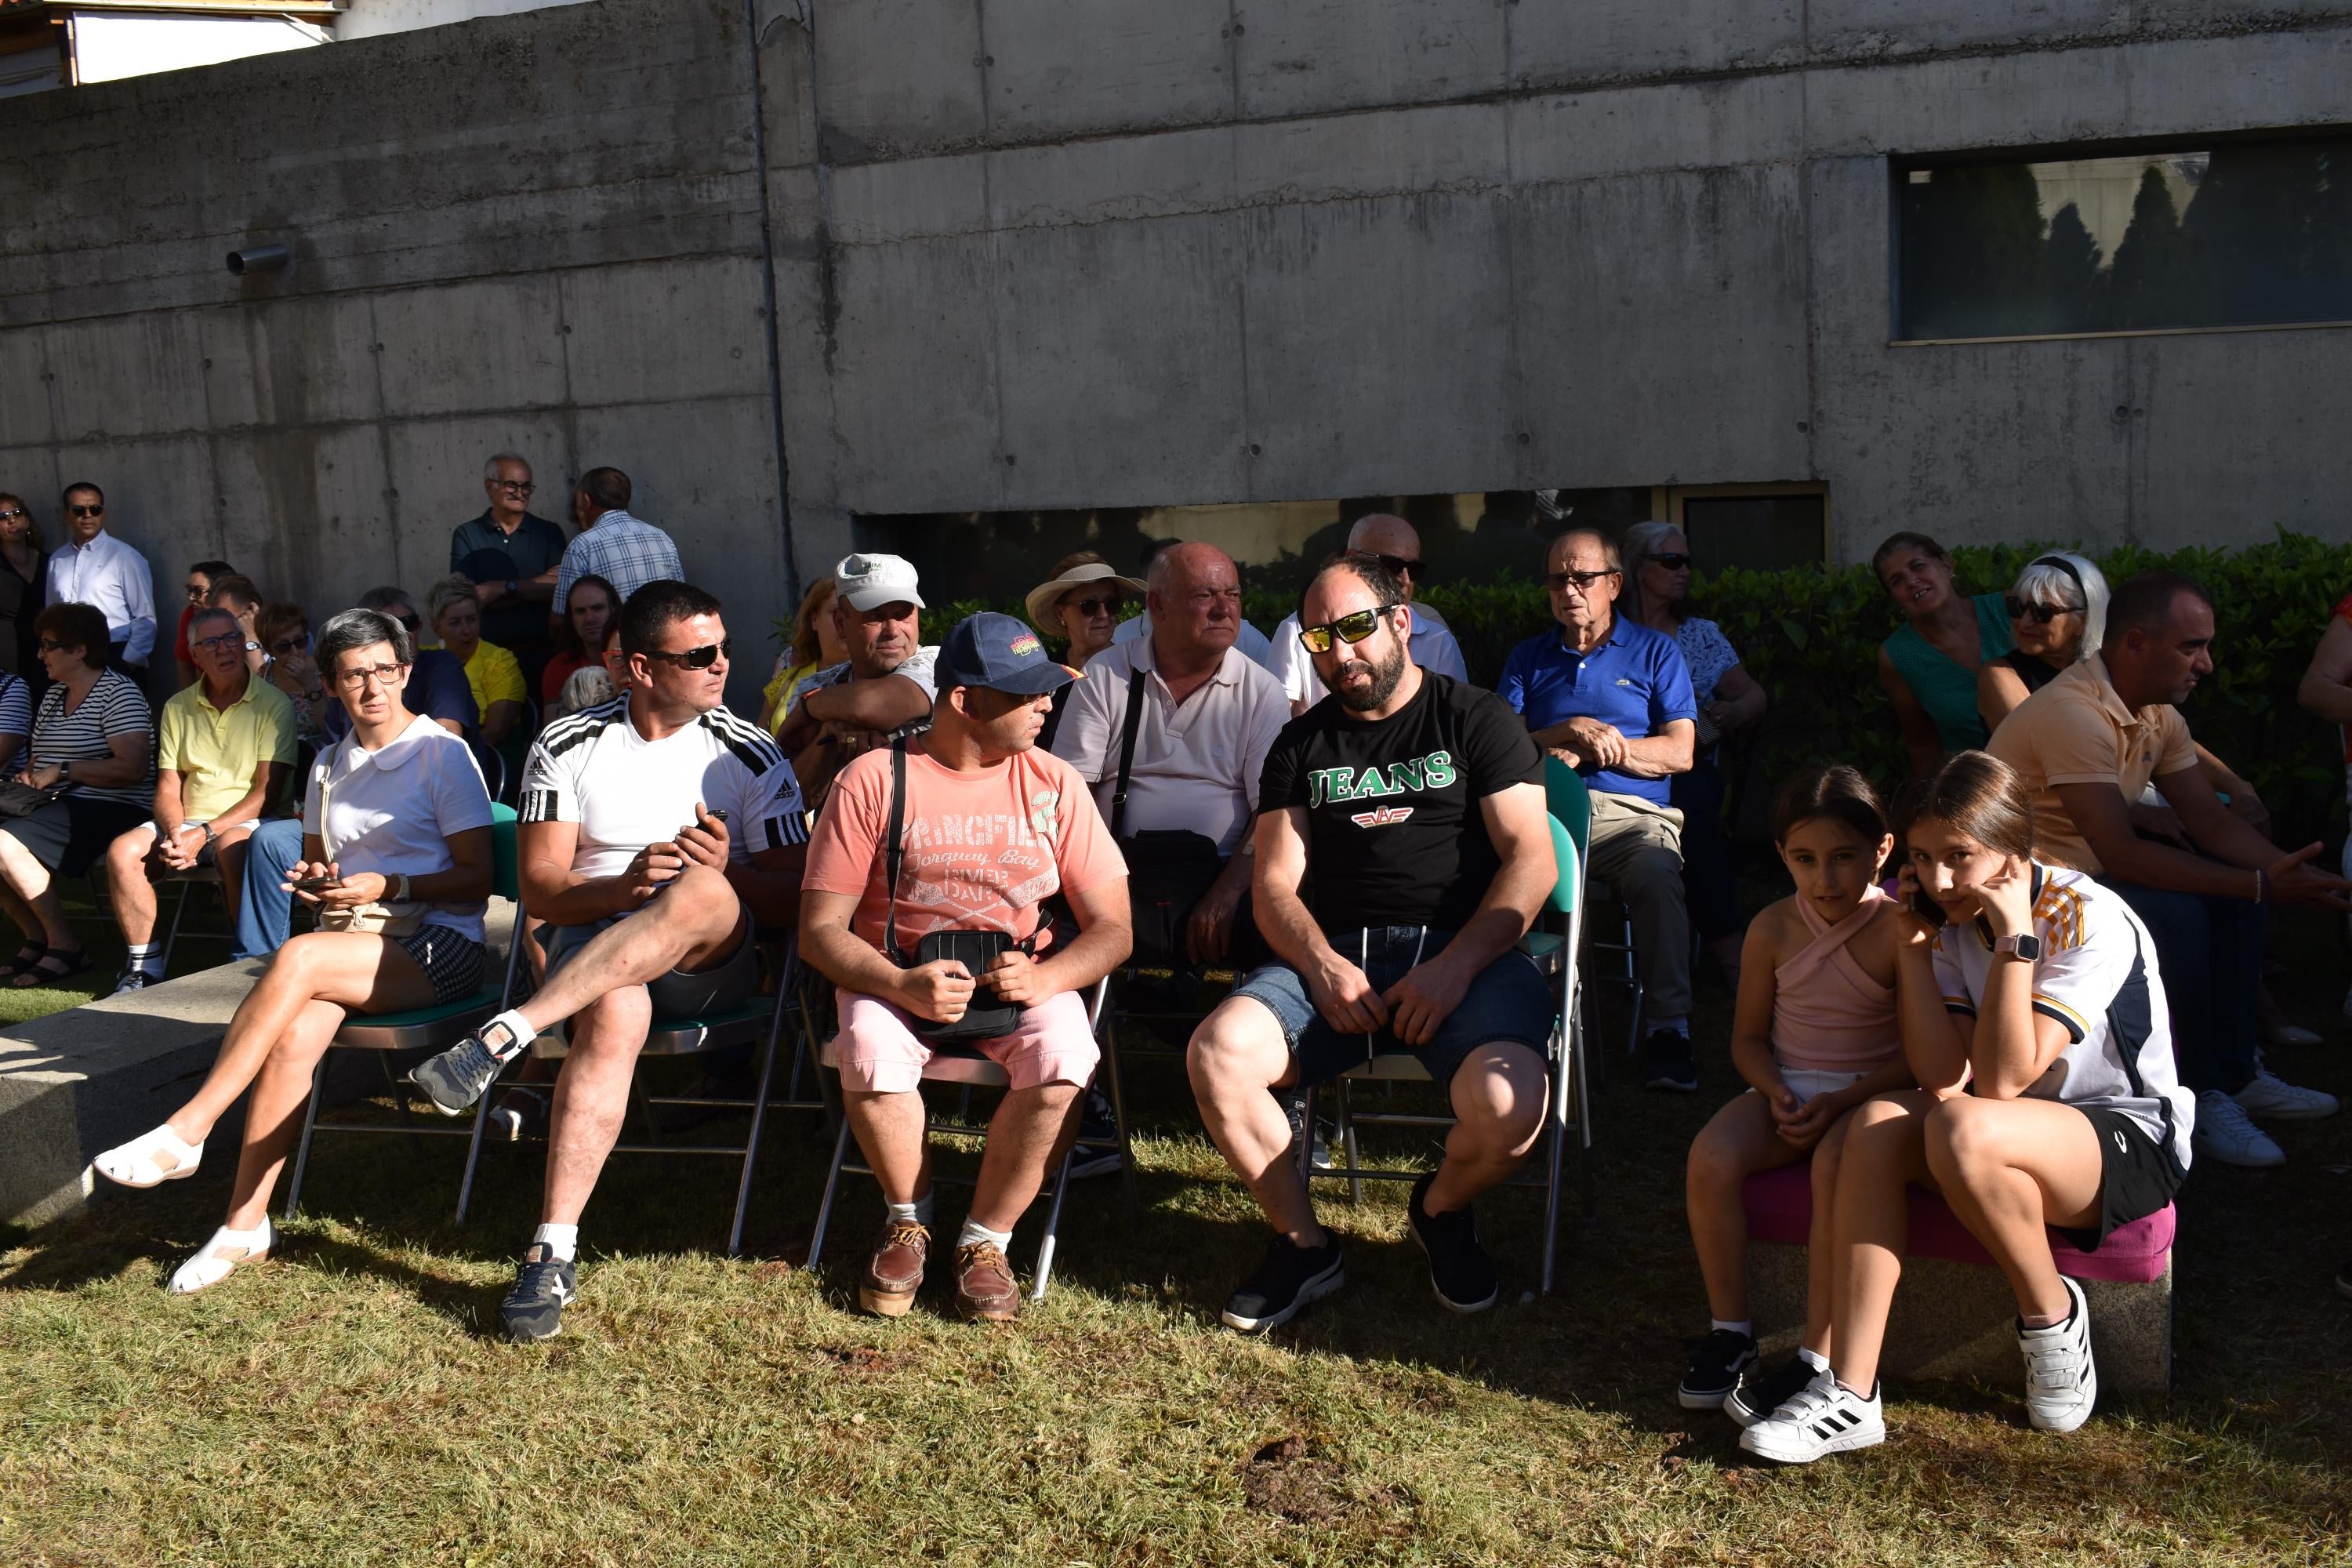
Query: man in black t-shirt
point(1416, 804)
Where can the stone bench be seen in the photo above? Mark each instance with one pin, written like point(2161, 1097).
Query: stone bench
point(1955, 1317)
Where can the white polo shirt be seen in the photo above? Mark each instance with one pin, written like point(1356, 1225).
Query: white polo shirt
point(391, 811)
point(1196, 763)
point(1432, 642)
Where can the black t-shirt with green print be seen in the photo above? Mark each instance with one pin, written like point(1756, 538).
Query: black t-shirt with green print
point(1394, 833)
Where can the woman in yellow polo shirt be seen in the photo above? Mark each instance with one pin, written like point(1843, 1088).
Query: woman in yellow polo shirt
point(491, 670)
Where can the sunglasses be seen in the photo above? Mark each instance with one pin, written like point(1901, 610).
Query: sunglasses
point(197, 592)
point(2040, 615)
point(86, 511)
point(286, 645)
point(1093, 607)
point(1348, 629)
point(519, 487)
point(1580, 580)
point(1399, 565)
point(701, 657)
point(12, 514)
point(411, 622)
point(52, 645)
point(1671, 560)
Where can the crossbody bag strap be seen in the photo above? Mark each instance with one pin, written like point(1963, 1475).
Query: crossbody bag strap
point(1125, 755)
point(892, 855)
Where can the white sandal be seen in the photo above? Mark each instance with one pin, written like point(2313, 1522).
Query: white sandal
point(225, 1253)
point(149, 1160)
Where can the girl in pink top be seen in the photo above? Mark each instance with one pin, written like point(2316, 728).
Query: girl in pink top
point(1815, 1034)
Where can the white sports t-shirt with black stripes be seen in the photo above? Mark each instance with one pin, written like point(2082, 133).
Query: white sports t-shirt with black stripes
point(627, 792)
point(112, 708)
point(2097, 976)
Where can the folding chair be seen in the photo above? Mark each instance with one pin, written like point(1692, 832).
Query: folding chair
point(188, 881)
point(760, 1018)
point(434, 1027)
point(976, 1071)
point(1555, 953)
point(1568, 800)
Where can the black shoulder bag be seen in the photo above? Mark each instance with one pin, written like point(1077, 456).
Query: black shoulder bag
point(1167, 871)
point(985, 1018)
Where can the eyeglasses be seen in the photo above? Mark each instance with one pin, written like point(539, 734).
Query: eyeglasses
point(1671, 560)
point(701, 657)
point(519, 487)
point(12, 514)
point(411, 622)
point(2038, 614)
point(52, 645)
point(1350, 629)
point(286, 645)
point(1090, 608)
point(1582, 582)
point(223, 640)
point(196, 591)
point(1399, 565)
point(86, 511)
point(380, 674)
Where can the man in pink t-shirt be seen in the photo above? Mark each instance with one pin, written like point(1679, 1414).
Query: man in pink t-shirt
point(993, 827)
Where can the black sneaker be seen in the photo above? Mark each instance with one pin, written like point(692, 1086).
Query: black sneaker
point(1760, 1392)
point(533, 1310)
point(1289, 1278)
point(1667, 1062)
point(1716, 1364)
point(456, 1077)
point(1459, 1270)
point(1098, 1150)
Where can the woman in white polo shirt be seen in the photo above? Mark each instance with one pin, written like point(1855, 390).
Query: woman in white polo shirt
point(397, 853)
point(2047, 1098)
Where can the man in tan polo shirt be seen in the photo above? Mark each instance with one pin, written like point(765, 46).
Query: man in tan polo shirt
point(2087, 745)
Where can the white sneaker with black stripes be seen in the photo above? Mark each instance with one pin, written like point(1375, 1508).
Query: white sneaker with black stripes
point(1824, 1417)
point(2062, 1382)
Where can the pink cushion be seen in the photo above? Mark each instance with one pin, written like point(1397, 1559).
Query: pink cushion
point(1781, 1208)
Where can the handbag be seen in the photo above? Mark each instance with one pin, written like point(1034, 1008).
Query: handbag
point(975, 950)
point(23, 799)
point(1168, 869)
point(402, 918)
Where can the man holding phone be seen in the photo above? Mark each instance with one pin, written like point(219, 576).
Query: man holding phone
point(655, 828)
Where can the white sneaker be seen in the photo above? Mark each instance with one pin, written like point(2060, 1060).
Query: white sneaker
point(2060, 1383)
point(1824, 1418)
point(2224, 1132)
point(2275, 1099)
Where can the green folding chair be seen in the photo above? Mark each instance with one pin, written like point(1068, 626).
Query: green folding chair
point(1569, 799)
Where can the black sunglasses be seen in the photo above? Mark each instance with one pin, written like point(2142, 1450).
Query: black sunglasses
point(1671, 560)
point(701, 657)
point(1399, 566)
point(86, 511)
point(1558, 581)
point(1092, 607)
point(411, 622)
point(2038, 614)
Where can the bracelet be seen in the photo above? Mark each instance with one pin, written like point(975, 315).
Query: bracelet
point(2262, 886)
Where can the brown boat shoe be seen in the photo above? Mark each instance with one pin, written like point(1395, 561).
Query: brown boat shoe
point(985, 1289)
point(894, 1272)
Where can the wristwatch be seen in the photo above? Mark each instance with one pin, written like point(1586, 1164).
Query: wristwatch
point(2024, 945)
point(400, 888)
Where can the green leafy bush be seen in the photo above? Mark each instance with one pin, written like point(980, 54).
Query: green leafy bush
point(1810, 635)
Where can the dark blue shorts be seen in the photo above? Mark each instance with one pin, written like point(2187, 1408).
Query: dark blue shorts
point(1507, 1001)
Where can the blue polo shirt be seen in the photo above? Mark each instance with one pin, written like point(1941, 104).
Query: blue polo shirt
point(1636, 682)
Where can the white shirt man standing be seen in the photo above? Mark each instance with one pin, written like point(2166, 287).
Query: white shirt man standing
point(1398, 546)
point(93, 567)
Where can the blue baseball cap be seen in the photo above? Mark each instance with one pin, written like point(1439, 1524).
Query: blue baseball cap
point(1000, 653)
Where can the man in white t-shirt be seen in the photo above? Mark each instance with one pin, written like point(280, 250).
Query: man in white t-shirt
point(654, 828)
point(883, 689)
point(1397, 545)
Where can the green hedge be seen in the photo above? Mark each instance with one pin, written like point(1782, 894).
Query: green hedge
point(1811, 637)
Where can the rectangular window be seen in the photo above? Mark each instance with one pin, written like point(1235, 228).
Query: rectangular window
point(1764, 528)
point(2233, 233)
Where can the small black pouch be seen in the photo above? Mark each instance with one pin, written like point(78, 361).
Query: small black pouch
point(985, 1018)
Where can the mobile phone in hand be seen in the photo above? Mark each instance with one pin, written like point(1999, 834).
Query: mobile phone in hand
point(315, 884)
point(1929, 909)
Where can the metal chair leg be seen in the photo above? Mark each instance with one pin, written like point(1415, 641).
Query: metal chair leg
point(1052, 1228)
point(832, 1185)
point(1119, 1112)
point(759, 1119)
point(1347, 1105)
point(1307, 1141)
point(171, 937)
point(310, 1123)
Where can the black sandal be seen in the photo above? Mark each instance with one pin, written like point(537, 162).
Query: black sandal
point(75, 960)
point(27, 956)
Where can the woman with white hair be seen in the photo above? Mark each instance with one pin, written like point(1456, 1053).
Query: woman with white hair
point(2058, 612)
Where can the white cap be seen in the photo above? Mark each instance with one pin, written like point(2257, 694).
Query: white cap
point(865, 580)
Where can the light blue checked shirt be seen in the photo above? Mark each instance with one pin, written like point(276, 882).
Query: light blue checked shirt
point(625, 551)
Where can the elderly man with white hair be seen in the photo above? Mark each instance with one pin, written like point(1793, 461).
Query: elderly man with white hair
point(1398, 546)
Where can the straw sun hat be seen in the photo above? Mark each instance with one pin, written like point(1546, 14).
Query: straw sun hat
point(1041, 598)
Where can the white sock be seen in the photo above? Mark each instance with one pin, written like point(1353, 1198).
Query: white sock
point(562, 1241)
point(974, 1233)
point(519, 1034)
point(147, 957)
point(1679, 1025)
point(919, 1212)
point(1813, 1358)
point(1745, 1326)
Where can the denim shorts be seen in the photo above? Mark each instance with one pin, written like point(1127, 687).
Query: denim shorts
point(1507, 1001)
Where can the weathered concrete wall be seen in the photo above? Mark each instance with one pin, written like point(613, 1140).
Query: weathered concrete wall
point(1150, 251)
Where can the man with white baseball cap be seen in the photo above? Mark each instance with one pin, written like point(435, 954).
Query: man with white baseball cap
point(883, 689)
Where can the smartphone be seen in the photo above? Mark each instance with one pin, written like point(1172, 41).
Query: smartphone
point(1927, 909)
point(717, 813)
point(315, 884)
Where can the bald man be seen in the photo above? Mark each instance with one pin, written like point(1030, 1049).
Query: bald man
point(1246, 638)
point(1395, 541)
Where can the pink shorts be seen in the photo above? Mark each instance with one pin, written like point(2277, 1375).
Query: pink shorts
point(876, 1053)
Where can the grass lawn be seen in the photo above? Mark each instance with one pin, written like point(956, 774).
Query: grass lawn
point(350, 1404)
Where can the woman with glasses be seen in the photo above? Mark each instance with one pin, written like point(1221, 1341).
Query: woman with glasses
point(491, 670)
point(90, 746)
point(201, 577)
point(815, 644)
point(26, 562)
point(1928, 667)
point(1082, 604)
point(592, 607)
point(396, 856)
point(284, 632)
point(1657, 558)
point(2058, 613)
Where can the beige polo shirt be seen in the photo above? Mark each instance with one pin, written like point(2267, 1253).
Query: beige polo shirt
point(1196, 762)
point(2077, 730)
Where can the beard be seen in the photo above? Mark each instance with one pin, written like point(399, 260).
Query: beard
point(1382, 686)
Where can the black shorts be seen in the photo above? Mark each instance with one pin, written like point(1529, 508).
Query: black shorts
point(70, 833)
point(681, 994)
point(2137, 1176)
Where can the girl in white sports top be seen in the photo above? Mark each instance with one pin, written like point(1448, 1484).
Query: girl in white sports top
point(1815, 1035)
point(2047, 1098)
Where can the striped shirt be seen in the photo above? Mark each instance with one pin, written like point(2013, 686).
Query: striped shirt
point(15, 706)
point(625, 551)
point(112, 708)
